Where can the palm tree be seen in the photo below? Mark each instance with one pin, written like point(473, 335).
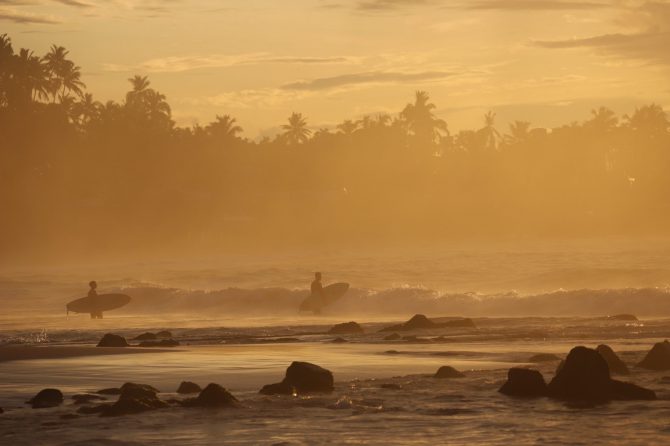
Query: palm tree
point(519, 132)
point(489, 134)
point(87, 109)
point(603, 120)
point(56, 63)
point(140, 85)
point(296, 131)
point(71, 79)
point(347, 127)
point(224, 128)
point(650, 119)
point(421, 121)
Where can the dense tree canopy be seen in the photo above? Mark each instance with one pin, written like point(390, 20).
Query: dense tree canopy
point(79, 173)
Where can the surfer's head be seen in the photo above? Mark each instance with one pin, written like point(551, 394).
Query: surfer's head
point(93, 284)
point(317, 276)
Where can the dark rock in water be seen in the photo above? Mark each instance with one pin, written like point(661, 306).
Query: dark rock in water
point(112, 340)
point(524, 383)
point(46, 398)
point(110, 391)
point(134, 398)
point(585, 376)
point(658, 358)
point(392, 352)
point(188, 387)
point(628, 391)
point(410, 338)
point(1, 411)
point(212, 396)
point(281, 388)
point(137, 390)
point(392, 337)
point(391, 386)
point(164, 334)
point(543, 357)
point(622, 317)
point(421, 322)
point(339, 341)
point(448, 372)
point(346, 328)
point(145, 337)
point(86, 398)
point(303, 377)
point(161, 343)
point(616, 365)
point(307, 377)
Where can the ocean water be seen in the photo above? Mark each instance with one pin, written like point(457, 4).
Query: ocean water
point(238, 325)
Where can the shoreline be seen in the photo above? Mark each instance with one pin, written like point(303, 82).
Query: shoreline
point(27, 353)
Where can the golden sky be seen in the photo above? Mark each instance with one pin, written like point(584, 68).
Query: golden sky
point(546, 61)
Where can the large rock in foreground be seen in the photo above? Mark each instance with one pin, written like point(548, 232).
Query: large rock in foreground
point(112, 340)
point(346, 328)
point(525, 383)
point(658, 357)
point(421, 322)
point(213, 396)
point(302, 377)
point(46, 398)
point(615, 364)
point(446, 371)
point(585, 376)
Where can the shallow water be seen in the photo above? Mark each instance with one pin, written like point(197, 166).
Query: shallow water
point(230, 316)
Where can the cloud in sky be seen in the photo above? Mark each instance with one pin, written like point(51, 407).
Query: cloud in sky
point(501, 5)
point(27, 18)
point(648, 46)
point(75, 3)
point(372, 77)
point(175, 64)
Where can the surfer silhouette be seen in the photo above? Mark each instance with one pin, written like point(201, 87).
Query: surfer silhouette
point(93, 294)
point(317, 287)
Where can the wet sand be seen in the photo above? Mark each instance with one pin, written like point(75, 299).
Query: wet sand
point(23, 353)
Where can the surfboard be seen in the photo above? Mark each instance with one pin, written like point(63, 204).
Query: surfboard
point(104, 302)
point(331, 293)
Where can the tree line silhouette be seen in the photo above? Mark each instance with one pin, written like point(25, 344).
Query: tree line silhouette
point(76, 172)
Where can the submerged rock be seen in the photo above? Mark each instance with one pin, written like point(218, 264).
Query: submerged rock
point(447, 372)
point(161, 343)
point(213, 396)
point(346, 328)
point(391, 386)
point(615, 364)
point(543, 357)
point(585, 376)
point(188, 387)
point(112, 340)
point(1, 411)
point(145, 337)
point(421, 322)
point(658, 358)
point(339, 341)
point(302, 377)
point(392, 337)
point(46, 398)
point(526, 383)
point(164, 334)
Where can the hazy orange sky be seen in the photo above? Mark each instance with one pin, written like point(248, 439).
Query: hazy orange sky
point(548, 62)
